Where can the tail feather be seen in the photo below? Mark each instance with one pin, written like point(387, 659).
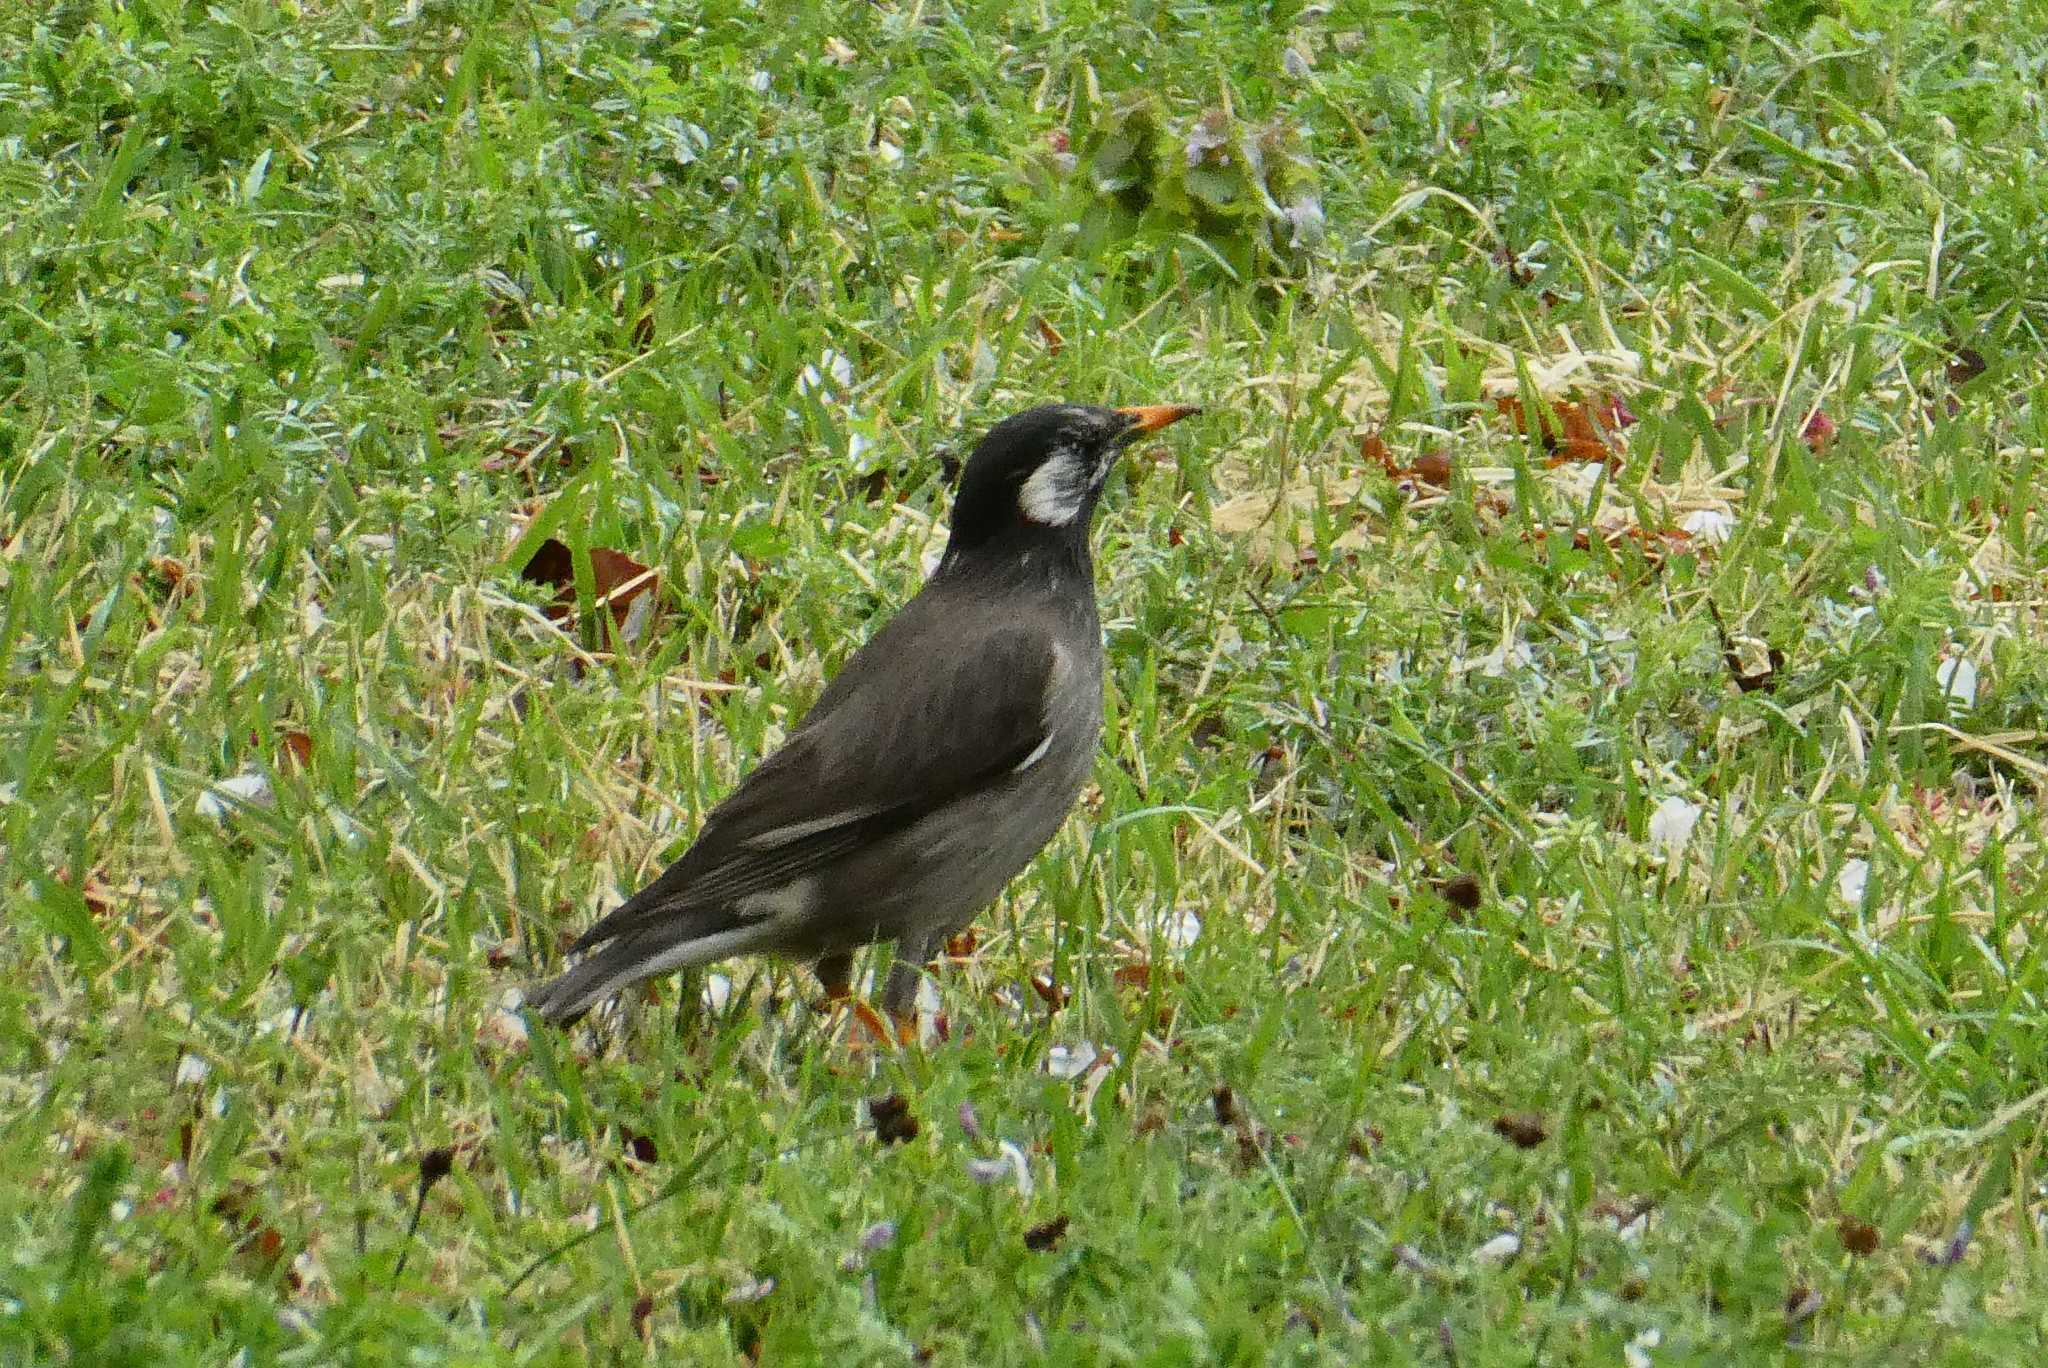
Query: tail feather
point(566, 998)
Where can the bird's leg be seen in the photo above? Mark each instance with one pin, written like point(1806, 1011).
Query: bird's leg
point(906, 976)
point(835, 976)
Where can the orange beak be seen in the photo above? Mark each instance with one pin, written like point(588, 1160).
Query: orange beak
point(1152, 417)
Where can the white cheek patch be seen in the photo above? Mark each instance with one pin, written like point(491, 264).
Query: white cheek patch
point(1054, 493)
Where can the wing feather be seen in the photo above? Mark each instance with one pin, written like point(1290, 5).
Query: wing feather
point(893, 738)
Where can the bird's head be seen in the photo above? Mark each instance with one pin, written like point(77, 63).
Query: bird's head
point(1038, 474)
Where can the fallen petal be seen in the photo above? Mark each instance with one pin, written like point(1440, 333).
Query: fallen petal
point(1065, 1061)
point(1499, 1249)
point(1708, 526)
point(1958, 679)
point(1671, 826)
point(1180, 929)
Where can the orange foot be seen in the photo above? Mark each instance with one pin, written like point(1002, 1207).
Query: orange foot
point(872, 1029)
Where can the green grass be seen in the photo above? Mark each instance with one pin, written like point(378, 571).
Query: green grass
point(307, 310)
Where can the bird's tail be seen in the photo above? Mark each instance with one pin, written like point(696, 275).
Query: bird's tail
point(627, 960)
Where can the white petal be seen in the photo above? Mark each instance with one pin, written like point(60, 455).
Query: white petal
point(1180, 929)
point(1708, 526)
point(1958, 679)
point(1671, 826)
point(1854, 878)
point(1508, 656)
point(750, 1290)
point(1063, 1061)
point(503, 1030)
point(246, 787)
point(1499, 1249)
point(717, 992)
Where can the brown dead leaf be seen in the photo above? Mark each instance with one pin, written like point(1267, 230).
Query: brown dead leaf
point(1434, 467)
point(1570, 434)
point(171, 574)
point(1050, 335)
point(617, 580)
point(1761, 681)
point(1053, 995)
point(297, 748)
point(1523, 1130)
point(1966, 365)
point(256, 1239)
point(1460, 891)
point(98, 899)
point(1615, 412)
point(891, 1118)
point(1656, 544)
point(1374, 449)
point(640, 1148)
point(1511, 261)
point(1858, 1237)
point(1224, 1102)
point(1046, 1236)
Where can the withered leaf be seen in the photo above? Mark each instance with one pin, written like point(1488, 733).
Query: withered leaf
point(1966, 365)
point(1460, 891)
point(641, 1147)
point(893, 1123)
point(1046, 1236)
point(616, 578)
point(1524, 1130)
point(1053, 995)
point(1764, 680)
point(1224, 1101)
point(1858, 1237)
point(1569, 434)
point(1373, 448)
point(1434, 467)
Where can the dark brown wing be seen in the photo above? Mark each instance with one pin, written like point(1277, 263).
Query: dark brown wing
point(941, 701)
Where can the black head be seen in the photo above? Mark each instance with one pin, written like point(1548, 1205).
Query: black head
point(1036, 476)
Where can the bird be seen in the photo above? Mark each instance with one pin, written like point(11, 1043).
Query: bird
point(933, 768)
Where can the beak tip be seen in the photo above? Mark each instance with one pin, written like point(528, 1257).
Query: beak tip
point(1152, 417)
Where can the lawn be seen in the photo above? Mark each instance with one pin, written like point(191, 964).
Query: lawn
point(1563, 882)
